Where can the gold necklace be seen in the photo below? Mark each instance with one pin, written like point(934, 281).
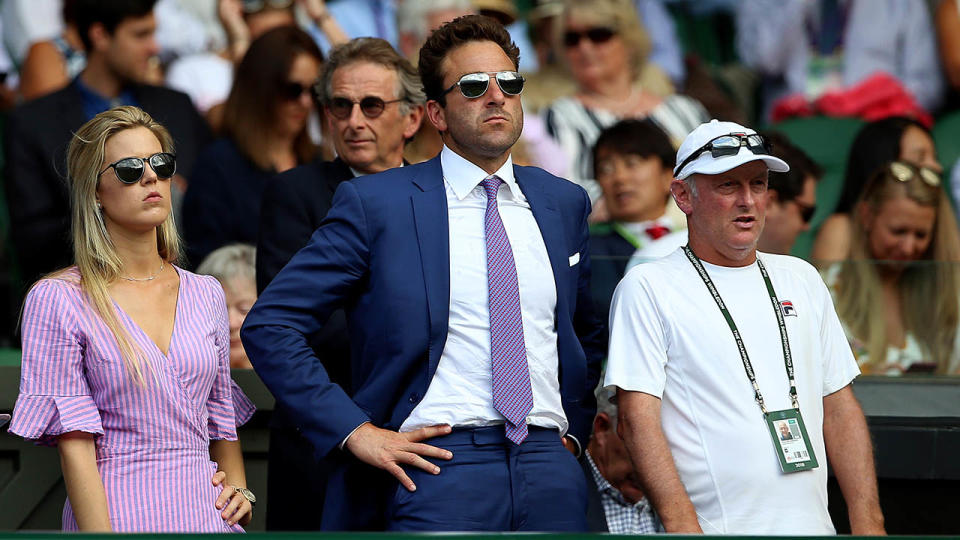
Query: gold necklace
point(151, 278)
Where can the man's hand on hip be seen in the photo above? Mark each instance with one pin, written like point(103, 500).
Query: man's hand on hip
point(387, 449)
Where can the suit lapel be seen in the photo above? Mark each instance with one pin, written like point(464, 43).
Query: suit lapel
point(433, 237)
point(544, 207)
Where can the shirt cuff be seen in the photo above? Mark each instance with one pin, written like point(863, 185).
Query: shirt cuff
point(576, 443)
point(345, 439)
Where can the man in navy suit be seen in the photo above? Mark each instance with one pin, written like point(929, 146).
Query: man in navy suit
point(474, 345)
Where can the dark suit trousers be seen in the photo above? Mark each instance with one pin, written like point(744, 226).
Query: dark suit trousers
point(492, 484)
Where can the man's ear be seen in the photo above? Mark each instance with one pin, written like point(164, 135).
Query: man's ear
point(601, 423)
point(436, 115)
point(412, 121)
point(99, 37)
point(682, 195)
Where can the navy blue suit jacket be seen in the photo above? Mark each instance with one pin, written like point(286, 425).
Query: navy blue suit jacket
point(382, 253)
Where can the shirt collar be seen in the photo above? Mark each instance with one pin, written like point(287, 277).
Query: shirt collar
point(463, 176)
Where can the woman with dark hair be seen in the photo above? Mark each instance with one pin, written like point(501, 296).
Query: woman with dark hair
point(264, 133)
point(877, 143)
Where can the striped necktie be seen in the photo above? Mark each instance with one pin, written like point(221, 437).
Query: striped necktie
point(512, 395)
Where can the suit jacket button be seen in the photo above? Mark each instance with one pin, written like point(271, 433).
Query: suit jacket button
point(414, 398)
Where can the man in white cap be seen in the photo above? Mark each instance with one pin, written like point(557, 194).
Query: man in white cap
point(715, 345)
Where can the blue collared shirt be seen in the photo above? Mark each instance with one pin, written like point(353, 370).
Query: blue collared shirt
point(94, 103)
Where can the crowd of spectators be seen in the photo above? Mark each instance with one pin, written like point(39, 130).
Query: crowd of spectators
point(612, 87)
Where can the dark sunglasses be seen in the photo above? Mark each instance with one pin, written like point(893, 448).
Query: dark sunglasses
point(371, 106)
point(729, 145)
point(904, 172)
point(254, 6)
point(806, 210)
point(130, 170)
point(474, 85)
point(291, 91)
point(595, 35)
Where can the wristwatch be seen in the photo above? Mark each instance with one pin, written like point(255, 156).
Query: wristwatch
point(247, 494)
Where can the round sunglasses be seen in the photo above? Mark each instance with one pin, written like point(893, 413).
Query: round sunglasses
point(341, 108)
point(130, 170)
point(904, 172)
point(474, 85)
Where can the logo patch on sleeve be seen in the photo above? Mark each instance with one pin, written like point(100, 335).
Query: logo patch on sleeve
point(787, 308)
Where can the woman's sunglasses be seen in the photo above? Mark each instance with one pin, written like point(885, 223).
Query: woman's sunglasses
point(255, 6)
point(594, 35)
point(474, 85)
point(371, 106)
point(292, 91)
point(130, 170)
point(904, 172)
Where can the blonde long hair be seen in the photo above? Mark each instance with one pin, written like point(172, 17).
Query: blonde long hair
point(93, 250)
point(928, 292)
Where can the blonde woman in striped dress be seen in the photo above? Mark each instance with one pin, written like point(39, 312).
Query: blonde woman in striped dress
point(126, 357)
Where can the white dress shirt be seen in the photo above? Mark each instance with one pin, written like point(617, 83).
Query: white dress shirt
point(460, 393)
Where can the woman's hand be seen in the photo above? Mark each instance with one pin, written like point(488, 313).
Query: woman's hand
point(235, 508)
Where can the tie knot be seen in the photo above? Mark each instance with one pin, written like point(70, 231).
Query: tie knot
point(491, 184)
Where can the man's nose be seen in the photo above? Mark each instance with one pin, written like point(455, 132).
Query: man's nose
point(494, 95)
point(356, 116)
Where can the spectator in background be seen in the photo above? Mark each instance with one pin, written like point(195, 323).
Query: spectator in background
point(374, 103)
point(665, 51)
point(899, 294)
point(605, 47)
point(791, 197)
point(877, 143)
point(948, 31)
point(118, 37)
point(615, 500)
point(633, 163)
point(234, 268)
point(208, 77)
point(803, 47)
point(51, 64)
point(27, 22)
point(264, 132)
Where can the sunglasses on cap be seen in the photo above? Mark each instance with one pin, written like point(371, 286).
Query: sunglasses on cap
point(371, 106)
point(474, 85)
point(729, 145)
point(594, 35)
point(255, 6)
point(904, 172)
point(130, 170)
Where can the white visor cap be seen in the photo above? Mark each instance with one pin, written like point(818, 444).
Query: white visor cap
point(705, 163)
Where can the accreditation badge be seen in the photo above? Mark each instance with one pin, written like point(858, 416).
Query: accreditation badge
point(791, 441)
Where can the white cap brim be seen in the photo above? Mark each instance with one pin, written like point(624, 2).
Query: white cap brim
point(707, 164)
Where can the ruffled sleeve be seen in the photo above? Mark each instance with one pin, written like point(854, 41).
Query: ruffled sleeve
point(227, 405)
point(55, 396)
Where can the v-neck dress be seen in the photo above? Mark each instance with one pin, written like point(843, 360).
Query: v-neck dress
point(152, 441)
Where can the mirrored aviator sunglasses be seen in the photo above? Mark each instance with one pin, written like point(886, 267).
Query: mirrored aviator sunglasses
point(904, 172)
point(474, 85)
point(130, 170)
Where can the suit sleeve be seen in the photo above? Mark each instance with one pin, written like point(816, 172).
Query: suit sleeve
point(320, 278)
point(285, 228)
point(36, 199)
point(591, 331)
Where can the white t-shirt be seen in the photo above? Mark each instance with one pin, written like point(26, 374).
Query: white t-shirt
point(669, 339)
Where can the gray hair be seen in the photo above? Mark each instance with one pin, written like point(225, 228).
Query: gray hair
point(375, 51)
point(606, 402)
point(412, 14)
point(228, 262)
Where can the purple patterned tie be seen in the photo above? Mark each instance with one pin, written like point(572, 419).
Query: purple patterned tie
point(512, 395)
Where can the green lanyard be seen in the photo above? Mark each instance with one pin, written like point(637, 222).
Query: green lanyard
point(784, 340)
point(626, 235)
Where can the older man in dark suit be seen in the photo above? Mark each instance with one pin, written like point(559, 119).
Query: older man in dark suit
point(118, 36)
point(373, 102)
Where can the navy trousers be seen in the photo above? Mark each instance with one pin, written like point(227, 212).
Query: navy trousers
point(492, 484)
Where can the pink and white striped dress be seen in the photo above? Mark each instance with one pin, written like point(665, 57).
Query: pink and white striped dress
point(152, 441)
